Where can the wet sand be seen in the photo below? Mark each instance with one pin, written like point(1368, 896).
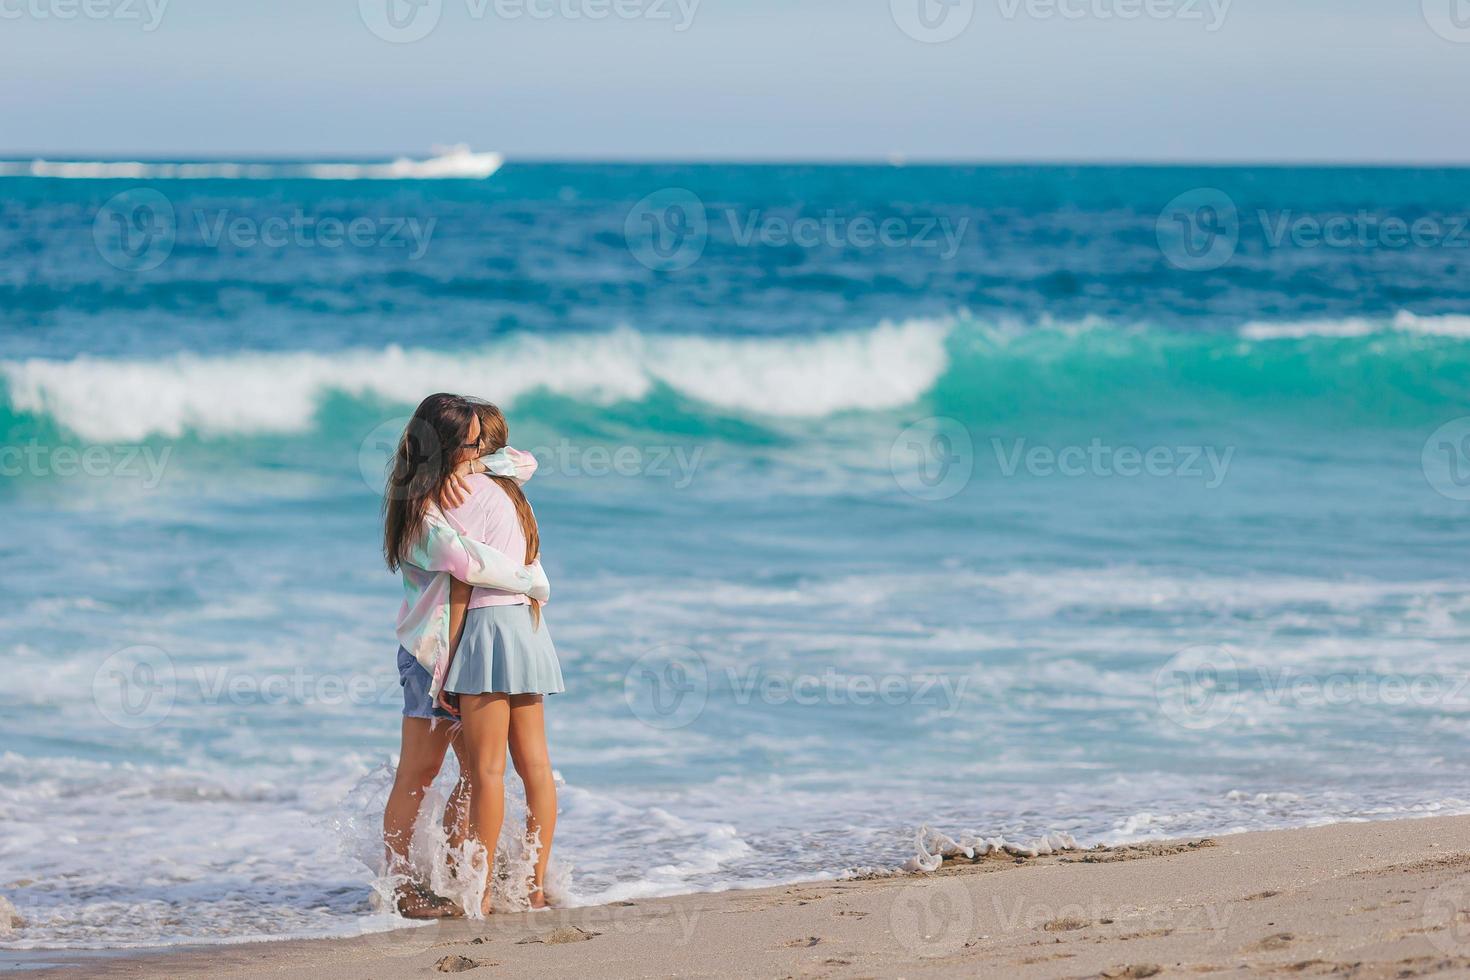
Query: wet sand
point(1363, 900)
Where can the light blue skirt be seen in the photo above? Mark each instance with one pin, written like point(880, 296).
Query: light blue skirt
point(500, 653)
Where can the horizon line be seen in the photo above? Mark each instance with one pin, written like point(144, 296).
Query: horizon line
point(896, 159)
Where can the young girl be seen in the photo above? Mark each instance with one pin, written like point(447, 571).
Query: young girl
point(502, 666)
point(440, 445)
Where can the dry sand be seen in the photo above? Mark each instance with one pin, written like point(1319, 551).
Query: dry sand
point(1362, 900)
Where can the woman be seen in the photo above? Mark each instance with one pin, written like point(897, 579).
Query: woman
point(439, 447)
point(501, 668)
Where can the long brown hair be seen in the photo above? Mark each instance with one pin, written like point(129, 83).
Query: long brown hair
point(425, 458)
point(495, 436)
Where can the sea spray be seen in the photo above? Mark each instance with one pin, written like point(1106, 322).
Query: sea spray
point(933, 847)
point(456, 872)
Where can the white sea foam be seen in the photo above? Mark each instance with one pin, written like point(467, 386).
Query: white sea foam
point(447, 162)
point(932, 847)
point(258, 393)
point(1404, 322)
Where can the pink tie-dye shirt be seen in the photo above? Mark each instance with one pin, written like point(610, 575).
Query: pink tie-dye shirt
point(442, 553)
point(488, 515)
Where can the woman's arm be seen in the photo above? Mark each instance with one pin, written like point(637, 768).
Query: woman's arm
point(540, 589)
point(440, 548)
point(459, 603)
point(503, 462)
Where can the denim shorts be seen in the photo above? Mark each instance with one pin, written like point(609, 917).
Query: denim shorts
point(416, 680)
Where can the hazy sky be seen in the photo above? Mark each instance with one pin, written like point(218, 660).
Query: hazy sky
point(1332, 80)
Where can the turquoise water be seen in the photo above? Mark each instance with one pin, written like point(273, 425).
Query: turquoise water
point(1026, 529)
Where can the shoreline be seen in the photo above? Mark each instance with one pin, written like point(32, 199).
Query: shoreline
point(1372, 899)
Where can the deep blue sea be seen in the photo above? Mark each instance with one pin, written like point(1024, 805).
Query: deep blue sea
point(1125, 502)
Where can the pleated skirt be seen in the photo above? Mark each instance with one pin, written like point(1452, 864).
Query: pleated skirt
point(501, 653)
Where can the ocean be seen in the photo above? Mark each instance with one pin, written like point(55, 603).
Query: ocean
point(1115, 501)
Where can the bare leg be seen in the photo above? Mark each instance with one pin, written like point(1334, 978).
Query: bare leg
point(486, 720)
point(420, 756)
point(533, 764)
point(457, 812)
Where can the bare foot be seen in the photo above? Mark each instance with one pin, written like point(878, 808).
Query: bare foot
point(537, 898)
point(419, 903)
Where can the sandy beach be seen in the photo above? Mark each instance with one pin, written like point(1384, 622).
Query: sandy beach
point(1362, 900)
